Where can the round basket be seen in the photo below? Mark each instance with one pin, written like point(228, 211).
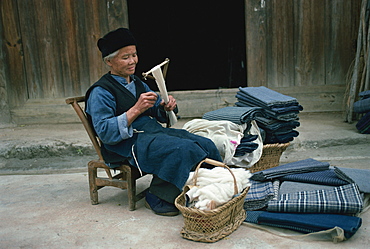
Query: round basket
point(212, 225)
point(270, 157)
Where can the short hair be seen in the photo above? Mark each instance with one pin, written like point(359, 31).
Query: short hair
point(110, 56)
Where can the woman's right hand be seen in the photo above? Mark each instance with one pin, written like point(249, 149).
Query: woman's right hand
point(145, 101)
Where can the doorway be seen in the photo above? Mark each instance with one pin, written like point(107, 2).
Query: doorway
point(204, 40)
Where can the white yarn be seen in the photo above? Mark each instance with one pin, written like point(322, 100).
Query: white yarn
point(216, 185)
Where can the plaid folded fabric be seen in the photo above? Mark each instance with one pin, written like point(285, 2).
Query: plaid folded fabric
point(258, 195)
point(325, 177)
point(360, 177)
point(340, 200)
point(306, 223)
point(238, 115)
point(303, 166)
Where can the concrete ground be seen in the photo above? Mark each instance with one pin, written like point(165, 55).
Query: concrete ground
point(45, 199)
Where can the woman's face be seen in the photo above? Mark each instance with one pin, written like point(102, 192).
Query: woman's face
point(124, 63)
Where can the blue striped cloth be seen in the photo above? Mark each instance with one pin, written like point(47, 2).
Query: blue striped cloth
point(363, 125)
point(237, 115)
point(325, 177)
point(306, 223)
point(302, 166)
point(344, 199)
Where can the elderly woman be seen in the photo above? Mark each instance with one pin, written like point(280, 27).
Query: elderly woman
point(125, 114)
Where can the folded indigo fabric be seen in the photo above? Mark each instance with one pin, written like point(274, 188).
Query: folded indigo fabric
point(283, 116)
point(307, 223)
point(303, 166)
point(363, 125)
point(362, 106)
point(252, 216)
point(264, 97)
point(364, 94)
point(273, 138)
point(258, 195)
point(324, 177)
point(238, 115)
point(245, 147)
point(361, 177)
point(273, 125)
point(288, 187)
point(340, 200)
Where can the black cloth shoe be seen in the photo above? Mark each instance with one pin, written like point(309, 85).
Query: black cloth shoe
point(159, 206)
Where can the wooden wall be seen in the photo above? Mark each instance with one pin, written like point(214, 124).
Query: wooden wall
point(48, 49)
point(301, 42)
point(50, 45)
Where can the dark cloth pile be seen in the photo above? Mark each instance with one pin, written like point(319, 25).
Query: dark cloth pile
point(363, 106)
point(308, 196)
point(280, 112)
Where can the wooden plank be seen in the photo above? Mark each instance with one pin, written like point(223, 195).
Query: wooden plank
point(309, 42)
point(340, 39)
point(117, 14)
point(280, 58)
point(13, 53)
point(256, 65)
point(5, 118)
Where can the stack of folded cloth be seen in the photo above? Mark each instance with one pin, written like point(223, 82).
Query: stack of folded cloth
point(311, 196)
point(280, 112)
point(363, 106)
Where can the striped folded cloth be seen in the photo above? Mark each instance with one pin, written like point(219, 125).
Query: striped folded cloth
point(237, 115)
point(363, 125)
point(344, 199)
point(325, 177)
point(302, 166)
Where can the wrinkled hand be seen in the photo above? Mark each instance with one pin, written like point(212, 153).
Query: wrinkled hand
point(145, 101)
point(171, 105)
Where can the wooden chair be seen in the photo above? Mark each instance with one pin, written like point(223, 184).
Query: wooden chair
point(127, 174)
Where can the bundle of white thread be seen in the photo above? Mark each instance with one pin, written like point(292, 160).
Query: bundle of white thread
point(215, 187)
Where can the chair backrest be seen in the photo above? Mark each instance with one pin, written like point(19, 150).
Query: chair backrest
point(76, 104)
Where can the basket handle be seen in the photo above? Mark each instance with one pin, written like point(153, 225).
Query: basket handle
point(218, 164)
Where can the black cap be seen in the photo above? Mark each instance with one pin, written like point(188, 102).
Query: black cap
point(115, 40)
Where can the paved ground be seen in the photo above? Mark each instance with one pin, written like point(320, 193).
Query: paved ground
point(45, 200)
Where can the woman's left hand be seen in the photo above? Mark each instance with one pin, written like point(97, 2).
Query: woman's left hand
point(171, 105)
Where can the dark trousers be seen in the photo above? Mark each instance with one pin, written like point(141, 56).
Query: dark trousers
point(163, 190)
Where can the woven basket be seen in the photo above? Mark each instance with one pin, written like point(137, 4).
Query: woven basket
point(211, 225)
point(270, 157)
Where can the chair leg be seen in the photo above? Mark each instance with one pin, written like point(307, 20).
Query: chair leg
point(93, 173)
point(131, 188)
